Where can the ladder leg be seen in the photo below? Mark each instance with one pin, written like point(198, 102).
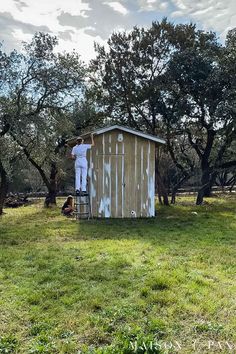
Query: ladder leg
point(89, 207)
point(82, 206)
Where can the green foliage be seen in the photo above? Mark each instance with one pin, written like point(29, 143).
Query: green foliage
point(44, 345)
point(208, 327)
point(39, 328)
point(8, 344)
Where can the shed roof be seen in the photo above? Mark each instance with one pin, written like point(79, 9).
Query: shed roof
point(125, 129)
point(99, 131)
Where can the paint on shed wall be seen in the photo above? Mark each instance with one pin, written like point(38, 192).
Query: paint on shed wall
point(122, 175)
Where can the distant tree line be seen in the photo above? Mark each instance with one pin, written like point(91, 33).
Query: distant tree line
point(169, 80)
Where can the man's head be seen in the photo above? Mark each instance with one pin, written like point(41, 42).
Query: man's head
point(79, 140)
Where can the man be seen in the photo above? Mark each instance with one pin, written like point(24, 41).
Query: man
point(81, 164)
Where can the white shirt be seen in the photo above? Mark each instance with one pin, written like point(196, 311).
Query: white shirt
point(79, 151)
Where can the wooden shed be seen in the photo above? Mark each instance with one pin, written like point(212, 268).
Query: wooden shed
point(121, 173)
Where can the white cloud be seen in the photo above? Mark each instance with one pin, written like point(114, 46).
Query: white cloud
point(216, 15)
point(21, 36)
point(78, 23)
point(82, 43)
point(117, 6)
point(164, 5)
point(152, 5)
point(46, 12)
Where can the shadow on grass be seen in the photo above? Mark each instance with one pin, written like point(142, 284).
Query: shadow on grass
point(191, 228)
point(213, 222)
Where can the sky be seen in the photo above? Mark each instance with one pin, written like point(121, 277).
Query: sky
point(78, 23)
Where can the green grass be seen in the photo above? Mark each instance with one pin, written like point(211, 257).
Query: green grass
point(110, 286)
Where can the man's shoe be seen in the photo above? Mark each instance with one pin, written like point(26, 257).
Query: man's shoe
point(83, 193)
point(77, 192)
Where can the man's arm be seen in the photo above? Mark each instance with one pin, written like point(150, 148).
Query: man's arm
point(73, 156)
point(92, 140)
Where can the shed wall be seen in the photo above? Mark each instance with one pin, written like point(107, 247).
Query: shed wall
point(122, 175)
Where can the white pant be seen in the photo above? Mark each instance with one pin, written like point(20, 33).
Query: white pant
point(81, 169)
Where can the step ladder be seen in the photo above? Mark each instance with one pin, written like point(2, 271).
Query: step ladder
point(82, 206)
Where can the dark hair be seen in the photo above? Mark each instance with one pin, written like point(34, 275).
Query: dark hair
point(69, 200)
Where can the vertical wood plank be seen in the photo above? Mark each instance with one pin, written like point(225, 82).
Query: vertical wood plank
point(138, 175)
point(92, 174)
point(100, 174)
point(151, 183)
point(145, 177)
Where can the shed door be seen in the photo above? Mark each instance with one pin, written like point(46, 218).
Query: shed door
point(110, 185)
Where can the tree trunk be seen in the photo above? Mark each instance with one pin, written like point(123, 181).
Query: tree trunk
point(232, 185)
point(50, 183)
point(173, 197)
point(162, 192)
point(177, 186)
point(207, 180)
point(3, 187)
point(205, 190)
point(160, 187)
point(52, 187)
point(200, 196)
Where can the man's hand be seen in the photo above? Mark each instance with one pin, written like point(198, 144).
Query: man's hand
point(92, 139)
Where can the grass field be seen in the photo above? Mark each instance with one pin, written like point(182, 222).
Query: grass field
point(119, 286)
